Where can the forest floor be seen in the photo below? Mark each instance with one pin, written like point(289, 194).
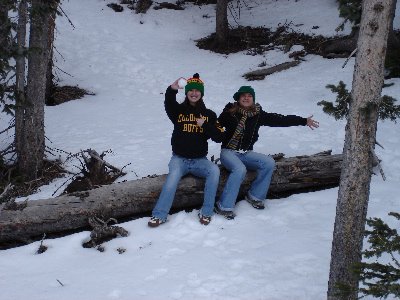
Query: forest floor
point(257, 40)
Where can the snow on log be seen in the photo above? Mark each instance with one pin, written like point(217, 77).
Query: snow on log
point(137, 198)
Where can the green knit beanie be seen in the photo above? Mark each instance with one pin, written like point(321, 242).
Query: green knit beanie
point(244, 89)
point(195, 83)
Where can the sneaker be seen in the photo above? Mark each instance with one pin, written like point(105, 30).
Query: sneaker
point(255, 203)
point(227, 214)
point(155, 222)
point(204, 220)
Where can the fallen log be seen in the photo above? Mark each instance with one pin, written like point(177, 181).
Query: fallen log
point(260, 74)
point(137, 198)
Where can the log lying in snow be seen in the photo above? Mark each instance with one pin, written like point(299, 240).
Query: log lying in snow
point(138, 197)
point(260, 74)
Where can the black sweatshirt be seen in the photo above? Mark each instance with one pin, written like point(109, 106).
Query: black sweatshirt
point(188, 139)
point(252, 125)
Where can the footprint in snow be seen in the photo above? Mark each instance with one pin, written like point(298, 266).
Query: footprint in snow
point(156, 274)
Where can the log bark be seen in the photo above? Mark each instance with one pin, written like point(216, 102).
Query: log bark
point(138, 197)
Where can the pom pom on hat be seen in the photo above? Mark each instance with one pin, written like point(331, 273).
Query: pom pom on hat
point(244, 89)
point(195, 83)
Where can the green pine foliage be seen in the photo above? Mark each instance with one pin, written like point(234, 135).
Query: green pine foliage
point(388, 110)
point(350, 10)
point(340, 109)
point(381, 278)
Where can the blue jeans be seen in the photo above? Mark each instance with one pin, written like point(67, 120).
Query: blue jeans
point(180, 166)
point(237, 164)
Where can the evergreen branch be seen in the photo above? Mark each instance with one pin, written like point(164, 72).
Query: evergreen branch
point(340, 109)
point(380, 279)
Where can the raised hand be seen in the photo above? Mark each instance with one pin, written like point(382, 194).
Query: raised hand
point(175, 85)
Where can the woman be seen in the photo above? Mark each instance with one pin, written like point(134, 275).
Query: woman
point(242, 120)
point(194, 124)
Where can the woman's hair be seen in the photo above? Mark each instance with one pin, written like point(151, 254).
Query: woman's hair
point(235, 107)
point(199, 105)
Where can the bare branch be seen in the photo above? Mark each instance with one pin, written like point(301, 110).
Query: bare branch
point(7, 189)
point(69, 20)
point(347, 60)
point(8, 128)
point(93, 154)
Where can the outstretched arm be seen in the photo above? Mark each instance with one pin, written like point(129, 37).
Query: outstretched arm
point(278, 120)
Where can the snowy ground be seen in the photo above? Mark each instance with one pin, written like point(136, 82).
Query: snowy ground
point(128, 60)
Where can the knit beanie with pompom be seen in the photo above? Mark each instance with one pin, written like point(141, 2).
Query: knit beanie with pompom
point(195, 83)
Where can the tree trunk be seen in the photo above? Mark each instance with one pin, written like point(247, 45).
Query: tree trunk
point(221, 17)
point(30, 158)
point(392, 62)
point(358, 149)
point(138, 197)
point(393, 41)
point(49, 75)
point(20, 74)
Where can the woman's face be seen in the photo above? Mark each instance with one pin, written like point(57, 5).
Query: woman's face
point(193, 96)
point(246, 100)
